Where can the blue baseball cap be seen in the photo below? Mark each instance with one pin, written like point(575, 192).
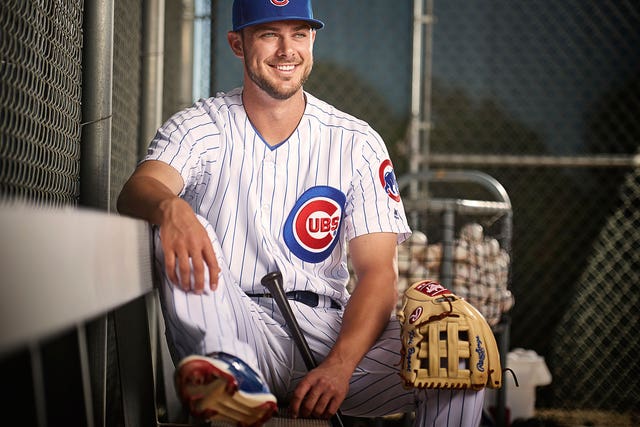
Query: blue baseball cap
point(253, 12)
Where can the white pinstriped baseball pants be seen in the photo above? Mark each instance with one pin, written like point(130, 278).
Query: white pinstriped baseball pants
point(253, 330)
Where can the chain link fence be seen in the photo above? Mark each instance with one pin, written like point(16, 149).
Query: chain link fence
point(127, 53)
point(598, 328)
point(40, 100)
point(543, 97)
point(554, 85)
point(41, 54)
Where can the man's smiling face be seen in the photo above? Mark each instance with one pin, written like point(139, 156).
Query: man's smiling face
point(278, 56)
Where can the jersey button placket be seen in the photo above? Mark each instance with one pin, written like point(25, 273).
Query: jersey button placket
point(269, 174)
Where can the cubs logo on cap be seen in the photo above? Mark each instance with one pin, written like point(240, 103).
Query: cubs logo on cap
point(253, 12)
point(312, 228)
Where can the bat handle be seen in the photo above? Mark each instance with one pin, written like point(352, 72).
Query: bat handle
point(273, 282)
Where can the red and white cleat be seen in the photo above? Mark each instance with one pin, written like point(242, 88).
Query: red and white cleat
point(223, 387)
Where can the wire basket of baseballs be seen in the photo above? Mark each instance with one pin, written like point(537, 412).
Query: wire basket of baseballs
point(480, 269)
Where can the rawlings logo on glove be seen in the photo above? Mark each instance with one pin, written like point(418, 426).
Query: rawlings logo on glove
point(446, 342)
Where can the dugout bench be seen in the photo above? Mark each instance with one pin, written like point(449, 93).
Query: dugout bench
point(81, 338)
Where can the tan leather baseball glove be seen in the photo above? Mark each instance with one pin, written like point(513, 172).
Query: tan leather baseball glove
point(446, 342)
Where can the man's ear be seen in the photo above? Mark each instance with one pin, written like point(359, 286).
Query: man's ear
point(235, 42)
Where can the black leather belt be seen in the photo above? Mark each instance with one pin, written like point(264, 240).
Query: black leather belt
point(306, 297)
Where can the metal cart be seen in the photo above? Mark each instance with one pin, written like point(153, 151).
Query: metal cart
point(441, 218)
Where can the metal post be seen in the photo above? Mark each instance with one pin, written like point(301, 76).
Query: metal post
point(39, 394)
point(95, 168)
point(135, 363)
point(212, 47)
point(178, 78)
point(448, 240)
point(86, 374)
point(429, 20)
point(152, 72)
point(185, 91)
point(503, 348)
point(420, 91)
point(96, 337)
point(416, 99)
point(97, 83)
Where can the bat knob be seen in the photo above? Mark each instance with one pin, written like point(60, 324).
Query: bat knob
point(275, 277)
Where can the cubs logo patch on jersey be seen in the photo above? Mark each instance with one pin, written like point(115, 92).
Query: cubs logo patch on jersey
point(312, 228)
point(388, 180)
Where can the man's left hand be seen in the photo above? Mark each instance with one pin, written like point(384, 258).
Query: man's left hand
point(321, 392)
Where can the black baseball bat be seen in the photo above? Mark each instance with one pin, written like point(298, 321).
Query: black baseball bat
point(273, 282)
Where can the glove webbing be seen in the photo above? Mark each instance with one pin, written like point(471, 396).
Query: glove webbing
point(449, 358)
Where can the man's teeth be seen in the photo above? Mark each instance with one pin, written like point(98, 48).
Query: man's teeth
point(285, 67)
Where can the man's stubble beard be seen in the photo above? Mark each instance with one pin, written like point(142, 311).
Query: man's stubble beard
point(272, 89)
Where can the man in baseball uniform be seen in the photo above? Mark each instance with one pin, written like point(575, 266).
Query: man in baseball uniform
point(268, 178)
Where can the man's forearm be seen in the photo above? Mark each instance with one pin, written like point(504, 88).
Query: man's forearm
point(146, 198)
point(365, 318)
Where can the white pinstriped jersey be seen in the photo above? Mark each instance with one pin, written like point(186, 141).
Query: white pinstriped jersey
point(290, 207)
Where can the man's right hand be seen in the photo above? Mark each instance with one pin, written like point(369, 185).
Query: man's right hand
point(152, 194)
point(187, 247)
